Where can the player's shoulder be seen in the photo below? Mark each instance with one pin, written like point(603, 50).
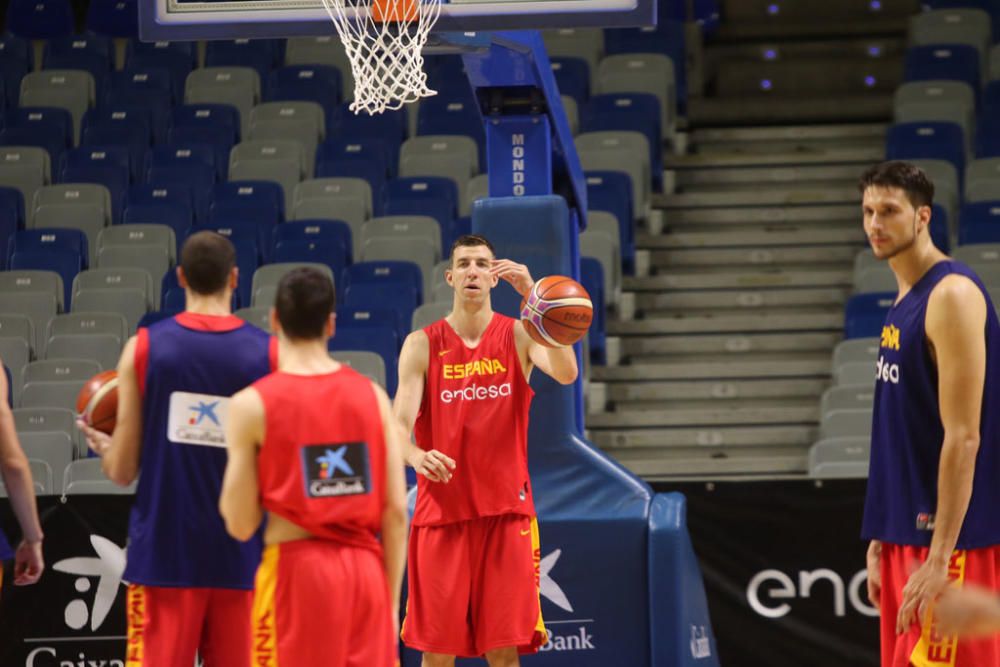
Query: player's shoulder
point(956, 290)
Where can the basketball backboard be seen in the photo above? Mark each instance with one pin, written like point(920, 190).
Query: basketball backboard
point(233, 19)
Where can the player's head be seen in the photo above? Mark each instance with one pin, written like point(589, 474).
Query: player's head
point(896, 200)
point(208, 264)
point(304, 305)
point(468, 272)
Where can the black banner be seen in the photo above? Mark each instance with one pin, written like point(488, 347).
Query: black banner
point(75, 614)
point(784, 571)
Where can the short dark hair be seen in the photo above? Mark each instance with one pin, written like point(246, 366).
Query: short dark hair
point(304, 301)
point(469, 241)
point(207, 259)
point(909, 178)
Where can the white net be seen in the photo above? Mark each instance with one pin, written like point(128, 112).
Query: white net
point(384, 40)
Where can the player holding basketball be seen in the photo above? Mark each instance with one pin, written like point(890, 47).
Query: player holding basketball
point(463, 389)
point(931, 507)
point(190, 582)
point(28, 563)
point(315, 444)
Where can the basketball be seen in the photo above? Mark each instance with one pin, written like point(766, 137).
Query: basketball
point(557, 311)
point(97, 402)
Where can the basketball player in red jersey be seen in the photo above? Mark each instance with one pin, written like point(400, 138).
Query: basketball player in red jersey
point(463, 390)
point(315, 445)
point(28, 563)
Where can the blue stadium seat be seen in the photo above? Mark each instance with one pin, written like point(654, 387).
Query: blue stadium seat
point(237, 230)
point(572, 77)
point(41, 135)
point(389, 127)
point(381, 341)
point(623, 112)
point(247, 263)
point(331, 252)
point(114, 18)
point(215, 124)
point(436, 197)
point(592, 279)
point(111, 176)
point(988, 127)
point(312, 83)
point(91, 53)
point(164, 205)
point(97, 157)
point(355, 158)
point(931, 141)
point(40, 19)
point(264, 201)
point(391, 295)
point(258, 54)
point(980, 223)
point(442, 114)
point(16, 49)
point(131, 127)
point(69, 240)
point(316, 230)
point(177, 58)
point(940, 229)
point(361, 318)
point(143, 80)
point(198, 178)
point(155, 316)
point(865, 314)
point(64, 261)
point(56, 123)
point(446, 75)
point(181, 154)
point(666, 38)
point(11, 72)
point(403, 273)
point(154, 101)
point(611, 191)
point(958, 62)
point(11, 220)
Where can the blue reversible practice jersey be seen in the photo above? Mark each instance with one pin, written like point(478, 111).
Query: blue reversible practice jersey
point(6, 553)
point(188, 367)
point(907, 433)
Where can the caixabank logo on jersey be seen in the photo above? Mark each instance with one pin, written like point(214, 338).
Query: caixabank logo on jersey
point(197, 419)
point(334, 470)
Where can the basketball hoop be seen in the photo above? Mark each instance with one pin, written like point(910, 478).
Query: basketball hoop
point(384, 40)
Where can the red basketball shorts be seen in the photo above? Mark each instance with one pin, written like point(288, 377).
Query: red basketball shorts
point(322, 604)
point(167, 626)
point(473, 587)
point(925, 646)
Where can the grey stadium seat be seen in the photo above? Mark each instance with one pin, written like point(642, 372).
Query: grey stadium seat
point(130, 303)
point(849, 397)
point(153, 259)
point(86, 477)
point(334, 191)
point(846, 423)
point(854, 350)
point(141, 234)
point(16, 354)
point(82, 322)
point(283, 162)
point(259, 316)
point(26, 281)
point(322, 50)
point(41, 476)
point(369, 364)
point(54, 447)
point(619, 151)
point(351, 210)
point(37, 307)
point(994, 62)
point(418, 251)
point(586, 43)
point(236, 86)
point(478, 188)
point(946, 101)
point(61, 394)
point(290, 121)
point(429, 313)
point(451, 156)
point(854, 373)
point(978, 254)
point(845, 457)
point(572, 110)
point(115, 278)
point(50, 419)
point(105, 349)
point(604, 248)
point(69, 89)
point(83, 206)
point(953, 26)
point(267, 277)
point(651, 73)
point(982, 180)
point(412, 227)
point(26, 168)
point(60, 369)
point(876, 279)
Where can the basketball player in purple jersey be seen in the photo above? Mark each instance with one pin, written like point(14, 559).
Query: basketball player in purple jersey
point(191, 584)
point(931, 512)
point(16, 474)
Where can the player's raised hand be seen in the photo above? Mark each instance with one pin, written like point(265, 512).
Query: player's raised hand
point(96, 440)
point(923, 587)
point(433, 465)
point(516, 274)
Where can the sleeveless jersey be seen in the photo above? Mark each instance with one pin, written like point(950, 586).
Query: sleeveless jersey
point(322, 463)
point(475, 410)
point(188, 366)
point(907, 433)
point(6, 553)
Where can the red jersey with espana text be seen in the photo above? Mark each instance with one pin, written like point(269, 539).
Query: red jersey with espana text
point(475, 410)
point(322, 463)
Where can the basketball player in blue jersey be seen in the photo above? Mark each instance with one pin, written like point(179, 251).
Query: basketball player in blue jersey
point(190, 582)
point(932, 512)
point(16, 474)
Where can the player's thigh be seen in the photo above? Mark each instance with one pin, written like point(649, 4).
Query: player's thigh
point(225, 640)
point(503, 657)
point(372, 641)
point(164, 625)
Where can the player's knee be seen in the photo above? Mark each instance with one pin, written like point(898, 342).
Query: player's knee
point(503, 657)
point(437, 660)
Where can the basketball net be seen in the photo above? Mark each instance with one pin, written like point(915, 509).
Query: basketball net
point(384, 40)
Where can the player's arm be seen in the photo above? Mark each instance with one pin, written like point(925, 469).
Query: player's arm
point(120, 451)
point(558, 363)
point(239, 502)
point(16, 473)
point(413, 362)
point(394, 509)
point(955, 322)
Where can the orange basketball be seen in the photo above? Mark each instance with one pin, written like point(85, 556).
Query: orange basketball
point(557, 311)
point(97, 402)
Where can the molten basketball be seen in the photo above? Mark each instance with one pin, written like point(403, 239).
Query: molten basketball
point(97, 402)
point(557, 311)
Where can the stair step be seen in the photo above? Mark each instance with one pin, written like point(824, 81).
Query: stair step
point(788, 195)
point(664, 464)
point(875, 132)
point(809, 77)
point(741, 299)
point(876, 106)
point(730, 344)
point(741, 237)
point(772, 216)
point(681, 390)
point(690, 179)
point(744, 412)
point(716, 368)
point(770, 51)
point(834, 153)
point(724, 436)
point(739, 279)
point(813, 28)
point(729, 257)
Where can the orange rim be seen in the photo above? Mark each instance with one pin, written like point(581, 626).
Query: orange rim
point(396, 11)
